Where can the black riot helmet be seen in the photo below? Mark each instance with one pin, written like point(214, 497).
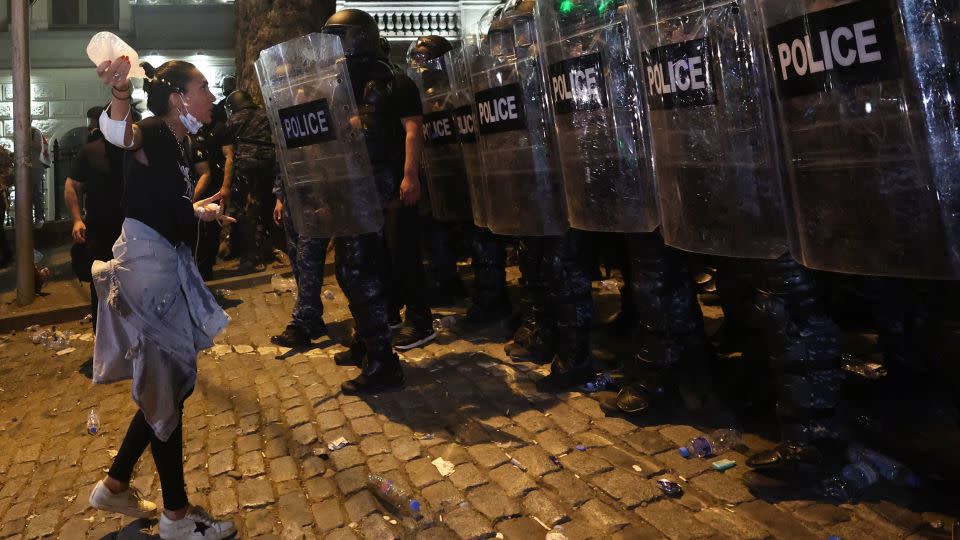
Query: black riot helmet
point(239, 100)
point(358, 31)
point(519, 14)
point(228, 85)
point(425, 55)
point(500, 38)
point(427, 48)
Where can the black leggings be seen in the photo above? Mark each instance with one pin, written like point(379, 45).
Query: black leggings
point(168, 457)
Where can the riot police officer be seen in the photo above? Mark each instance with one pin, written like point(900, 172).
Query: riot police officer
point(251, 180)
point(871, 148)
point(442, 86)
point(719, 184)
point(522, 195)
point(307, 260)
point(391, 118)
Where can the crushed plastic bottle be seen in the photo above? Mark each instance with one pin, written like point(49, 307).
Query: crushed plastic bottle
point(605, 380)
point(556, 534)
point(39, 337)
point(716, 442)
point(890, 469)
point(281, 284)
point(328, 295)
point(394, 496)
point(853, 480)
point(669, 487)
point(443, 324)
point(51, 338)
point(93, 422)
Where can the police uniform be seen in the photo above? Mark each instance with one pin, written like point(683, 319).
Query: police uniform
point(383, 98)
point(251, 197)
point(307, 261)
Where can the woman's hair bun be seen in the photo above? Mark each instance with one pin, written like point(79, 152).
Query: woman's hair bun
point(149, 70)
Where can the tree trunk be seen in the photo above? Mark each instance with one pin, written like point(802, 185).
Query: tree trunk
point(261, 24)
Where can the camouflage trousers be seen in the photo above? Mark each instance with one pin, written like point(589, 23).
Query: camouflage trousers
point(307, 260)
point(251, 203)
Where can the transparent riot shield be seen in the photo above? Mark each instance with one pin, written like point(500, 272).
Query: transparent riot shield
point(443, 160)
point(466, 123)
point(712, 127)
point(867, 92)
point(321, 151)
point(517, 141)
point(594, 89)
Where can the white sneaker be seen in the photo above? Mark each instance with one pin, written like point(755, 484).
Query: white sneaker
point(196, 524)
point(129, 503)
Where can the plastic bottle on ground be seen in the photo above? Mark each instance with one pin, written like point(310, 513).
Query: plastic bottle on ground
point(716, 442)
point(93, 422)
point(852, 481)
point(887, 467)
point(281, 284)
point(444, 323)
point(556, 534)
point(394, 496)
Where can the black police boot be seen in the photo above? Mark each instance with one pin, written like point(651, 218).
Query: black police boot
point(645, 389)
point(292, 336)
point(572, 366)
point(354, 354)
point(529, 344)
point(381, 373)
point(296, 336)
point(566, 374)
point(480, 317)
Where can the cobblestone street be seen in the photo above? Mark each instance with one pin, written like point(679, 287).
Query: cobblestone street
point(257, 428)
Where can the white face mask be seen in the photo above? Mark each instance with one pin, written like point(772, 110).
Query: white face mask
point(114, 131)
point(188, 120)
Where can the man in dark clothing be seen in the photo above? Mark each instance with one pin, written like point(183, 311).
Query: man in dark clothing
point(391, 117)
point(99, 169)
point(307, 260)
point(248, 134)
point(209, 148)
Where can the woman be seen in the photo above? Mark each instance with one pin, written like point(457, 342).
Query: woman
point(155, 314)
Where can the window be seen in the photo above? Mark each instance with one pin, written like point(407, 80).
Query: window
point(84, 13)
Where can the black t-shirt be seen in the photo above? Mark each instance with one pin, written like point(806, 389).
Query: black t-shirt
point(384, 95)
point(99, 167)
point(160, 194)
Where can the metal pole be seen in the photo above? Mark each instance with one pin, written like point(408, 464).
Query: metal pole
point(19, 32)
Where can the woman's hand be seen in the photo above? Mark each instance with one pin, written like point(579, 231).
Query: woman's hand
point(208, 210)
point(115, 74)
